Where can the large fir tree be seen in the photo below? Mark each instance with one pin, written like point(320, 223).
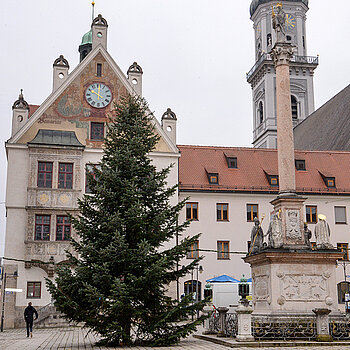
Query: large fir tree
point(117, 286)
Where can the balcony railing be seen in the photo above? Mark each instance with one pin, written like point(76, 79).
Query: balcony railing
point(311, 60)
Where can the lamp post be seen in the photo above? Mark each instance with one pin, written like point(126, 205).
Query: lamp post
point(3, 277)
point(243, 291)
point(200, 270)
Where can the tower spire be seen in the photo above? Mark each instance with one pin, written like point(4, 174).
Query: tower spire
point(92, 10)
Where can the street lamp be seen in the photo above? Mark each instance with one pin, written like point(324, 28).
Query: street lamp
point(200, 270)
point(4, 276)
point(243, 290)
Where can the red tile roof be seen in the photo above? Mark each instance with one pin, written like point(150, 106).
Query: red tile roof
point(253, 163)
point(32, 109)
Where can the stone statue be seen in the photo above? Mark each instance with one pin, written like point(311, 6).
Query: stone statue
point(307, 235)
point(275, 232)
point(322, 234)
point(256, 237)
point(279, 23)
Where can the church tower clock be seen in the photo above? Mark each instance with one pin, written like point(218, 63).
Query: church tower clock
point(262, 76)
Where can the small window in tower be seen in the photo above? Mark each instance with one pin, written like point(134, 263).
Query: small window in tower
point(304, 42)
point(289, 38)
point(99, 69)
point(261, 112)
point(269, 40)
point(294, 103)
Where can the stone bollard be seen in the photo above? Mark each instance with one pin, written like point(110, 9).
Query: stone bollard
point(322, 324)
point(222, 320)
point(244, 319)
point(207, 310)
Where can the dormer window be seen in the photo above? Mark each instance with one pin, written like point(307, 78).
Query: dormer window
point(330, 181)
point(232, 162)
point(213, 178)
point(300, 164)
point(273, 179)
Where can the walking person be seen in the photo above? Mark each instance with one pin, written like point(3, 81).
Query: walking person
point(29, 313)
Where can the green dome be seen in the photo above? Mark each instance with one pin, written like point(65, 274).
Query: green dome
point(87, 38)
point(255, 3)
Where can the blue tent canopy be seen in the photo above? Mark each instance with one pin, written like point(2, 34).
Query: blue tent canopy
point(223, 278)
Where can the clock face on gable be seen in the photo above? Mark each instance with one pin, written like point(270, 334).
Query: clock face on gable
point(98, 95)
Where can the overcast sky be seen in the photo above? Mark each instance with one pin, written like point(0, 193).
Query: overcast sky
point(194, 54)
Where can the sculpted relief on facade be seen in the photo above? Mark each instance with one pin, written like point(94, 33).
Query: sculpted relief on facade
point(293, 225)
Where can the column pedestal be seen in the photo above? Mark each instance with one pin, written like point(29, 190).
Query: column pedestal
point(244, 319)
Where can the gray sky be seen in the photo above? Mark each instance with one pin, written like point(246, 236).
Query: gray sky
point(194, 54)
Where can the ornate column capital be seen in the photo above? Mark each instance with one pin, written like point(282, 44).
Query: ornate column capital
point(281, 53)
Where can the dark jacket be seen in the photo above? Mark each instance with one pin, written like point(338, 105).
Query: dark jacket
point(29, 313)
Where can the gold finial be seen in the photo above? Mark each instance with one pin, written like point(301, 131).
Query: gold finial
point(93, 7)
point(279, 4)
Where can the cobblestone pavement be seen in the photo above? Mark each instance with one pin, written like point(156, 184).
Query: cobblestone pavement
point(76, 338)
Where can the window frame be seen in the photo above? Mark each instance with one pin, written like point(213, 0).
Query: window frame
point(63, 225)
point(99, 69)
point(213, 178)
point(344, 248)
point(251, 212)
point(34, 296)
point(193, 252)
point(337, 222)
point(330, 182)
point(232, 161)
point(191, 204)
point(220, 208)
point(92, 126)
point(65, 173)
point(44, 172)
point(89, 168)
point(221, 254)
point(42, 224)
point(299, 162)
point(310, 214)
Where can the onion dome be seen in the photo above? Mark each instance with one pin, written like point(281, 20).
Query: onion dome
point(20, 103)
point(87, 38)
point(255, 4)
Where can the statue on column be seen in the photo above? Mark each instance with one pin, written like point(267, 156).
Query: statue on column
point(256, 237)
point(323, 233)
point(279, 23)
point(275, 231)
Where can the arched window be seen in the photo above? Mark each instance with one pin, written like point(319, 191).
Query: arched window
point(261, 112)
point(294, 107)
point(190, 286)
point(343, 288)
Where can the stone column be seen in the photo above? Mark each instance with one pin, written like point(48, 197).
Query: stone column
point(222, 320)
point(322, 324)
point(244, 318)
point(208, 310)
point(281, 54)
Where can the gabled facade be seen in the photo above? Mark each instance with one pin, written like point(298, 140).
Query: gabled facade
point(47, 154)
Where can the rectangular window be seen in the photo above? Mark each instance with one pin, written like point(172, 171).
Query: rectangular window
point(340, 215)
point(33, 290)
point(99, 69)
point(274, 181)
point(311, 214)
point(65, 175)
point(193, 253)
point(222, 212)
point(42, 227)
point(223, 250)
point(91, 169)
point(300, 164)
point(97, 131)
point(213, 179)
point(45, 174)
point(252, 212)
point(192, 211)
point(232, 162)
point(330, 182)
point(63, 228)
point(343, 247)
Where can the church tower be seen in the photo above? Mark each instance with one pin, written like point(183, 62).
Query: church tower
point(262, 77)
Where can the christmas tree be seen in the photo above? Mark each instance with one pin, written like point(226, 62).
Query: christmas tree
point(126, 258)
